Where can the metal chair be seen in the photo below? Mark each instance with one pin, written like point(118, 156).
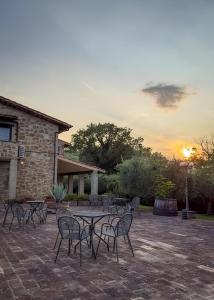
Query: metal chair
point(121, 228)
point(61, 212)
point(41, 212)
point(69, 229)
point(94, 200)
point(107, 203)
point(135, 203)
point(20, 214)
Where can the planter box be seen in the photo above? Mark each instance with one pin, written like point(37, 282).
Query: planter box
point(165, 207)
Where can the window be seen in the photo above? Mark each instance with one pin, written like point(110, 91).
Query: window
point(5, 132)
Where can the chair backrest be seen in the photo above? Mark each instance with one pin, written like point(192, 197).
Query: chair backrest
point(45, 206)
point(124, 224)
point(18, 211)
point(107, 201)
point(122, 210)
point(68, 225)
point(93, 199)
point(61, 212)
point(135, 203)
point(40, 206)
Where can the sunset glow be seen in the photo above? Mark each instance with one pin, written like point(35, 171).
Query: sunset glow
point(111, 61)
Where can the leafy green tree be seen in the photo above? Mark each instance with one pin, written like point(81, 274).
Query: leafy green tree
point(203, 172)
point(105, 145)
point(138, 175)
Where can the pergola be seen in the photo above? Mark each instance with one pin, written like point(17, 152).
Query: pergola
point(67, 167)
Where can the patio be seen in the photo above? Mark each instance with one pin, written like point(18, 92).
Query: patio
point(174, 259)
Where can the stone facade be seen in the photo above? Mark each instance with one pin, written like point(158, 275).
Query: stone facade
point(4, 178)
point(36, 172)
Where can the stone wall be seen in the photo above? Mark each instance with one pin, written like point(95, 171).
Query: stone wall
point(4, 179)
point(35, 173)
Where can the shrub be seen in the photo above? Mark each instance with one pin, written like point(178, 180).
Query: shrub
point(58, 192)
point(137, 177)
point(75, 197)
point(163, 187)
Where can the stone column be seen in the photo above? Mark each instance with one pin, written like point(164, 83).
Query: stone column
point(12, 179)
point(70, 184)
point(60, 179)
point(94, 183)
point(55, 179)
point(80, 184)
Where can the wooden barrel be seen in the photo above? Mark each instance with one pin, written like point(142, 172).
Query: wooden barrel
point(165, 207)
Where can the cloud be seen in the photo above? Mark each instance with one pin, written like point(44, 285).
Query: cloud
point(167, 96)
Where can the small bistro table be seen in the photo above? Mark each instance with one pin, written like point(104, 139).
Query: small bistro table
point(94, 217)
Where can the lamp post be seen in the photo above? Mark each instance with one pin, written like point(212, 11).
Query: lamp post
point(187, 165)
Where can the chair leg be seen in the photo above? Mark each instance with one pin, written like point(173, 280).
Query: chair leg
point(98, 245)
point(56, 240)
point(5, 216)
point(69, 246)
point(80, 253)
point(88, 242)
point(75, 247)
point(11, 223)
point(32, 219)
point(116, 246)
point(130, 245)
point(58, 249)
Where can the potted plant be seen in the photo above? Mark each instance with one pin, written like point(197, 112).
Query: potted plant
point(58, 192)
point(164, 204)
point(83, 200)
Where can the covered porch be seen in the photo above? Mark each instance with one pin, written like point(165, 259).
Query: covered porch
point(70, 168)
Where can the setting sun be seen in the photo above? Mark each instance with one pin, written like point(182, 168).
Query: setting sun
point(187, 152)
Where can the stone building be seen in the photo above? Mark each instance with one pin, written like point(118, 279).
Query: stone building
point(32, 156)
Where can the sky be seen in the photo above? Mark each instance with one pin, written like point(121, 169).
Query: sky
point(146, 65)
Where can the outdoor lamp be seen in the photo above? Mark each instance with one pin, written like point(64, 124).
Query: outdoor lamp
point(187, 152)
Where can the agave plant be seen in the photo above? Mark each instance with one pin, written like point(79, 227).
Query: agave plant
point(58, 192)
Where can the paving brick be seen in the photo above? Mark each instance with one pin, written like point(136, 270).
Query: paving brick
point(168, 264)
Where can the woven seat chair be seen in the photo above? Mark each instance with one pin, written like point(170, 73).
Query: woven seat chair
point(61, 212)
point(42, 210)
point(70, 229)
point(94, 200)
point(120, 229)
point(135, 203)
point(20, 215)
point(107, 203)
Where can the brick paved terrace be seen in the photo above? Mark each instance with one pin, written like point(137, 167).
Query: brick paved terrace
point(174, 259)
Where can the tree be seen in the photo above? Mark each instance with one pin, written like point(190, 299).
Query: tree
point(105, 145)
point(138, 175)
point(203, 176)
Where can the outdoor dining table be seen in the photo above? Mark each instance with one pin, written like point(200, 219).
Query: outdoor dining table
point(91, 217)
point(34, 204)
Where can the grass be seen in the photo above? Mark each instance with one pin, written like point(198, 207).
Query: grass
point(145, 208)
point(205, 217)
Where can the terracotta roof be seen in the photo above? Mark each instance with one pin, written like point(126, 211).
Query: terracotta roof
point(63, 126)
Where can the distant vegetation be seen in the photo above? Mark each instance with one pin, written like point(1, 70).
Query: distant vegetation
point(133, 169)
